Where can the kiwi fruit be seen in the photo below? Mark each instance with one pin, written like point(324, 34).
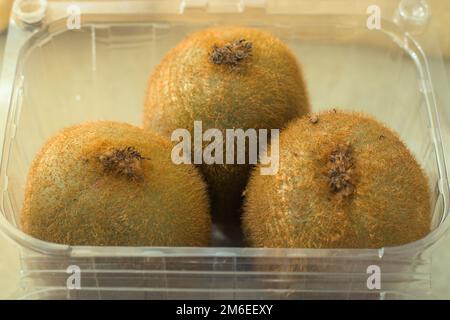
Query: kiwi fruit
point(344, 181)
point(112, 184)
point(228, 78)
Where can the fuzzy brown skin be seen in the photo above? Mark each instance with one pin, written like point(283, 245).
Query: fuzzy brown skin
point(264, 89)
point(108, 183)
point(381, 199)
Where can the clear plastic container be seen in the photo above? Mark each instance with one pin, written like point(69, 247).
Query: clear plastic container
point(54, 77)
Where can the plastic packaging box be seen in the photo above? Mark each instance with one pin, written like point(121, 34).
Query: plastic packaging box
point(56, 75)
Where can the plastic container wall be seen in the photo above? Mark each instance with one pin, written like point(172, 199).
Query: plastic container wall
point(58, 77)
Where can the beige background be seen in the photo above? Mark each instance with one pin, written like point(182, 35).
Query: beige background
point(9, 256)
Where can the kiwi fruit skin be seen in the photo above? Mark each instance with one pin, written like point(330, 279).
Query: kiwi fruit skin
point(264, 91)
point(73, 197)
point(386, 201)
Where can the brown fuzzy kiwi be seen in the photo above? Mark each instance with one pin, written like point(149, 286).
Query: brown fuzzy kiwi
point(107, 183)
point(344, 181)
point(227, 77)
